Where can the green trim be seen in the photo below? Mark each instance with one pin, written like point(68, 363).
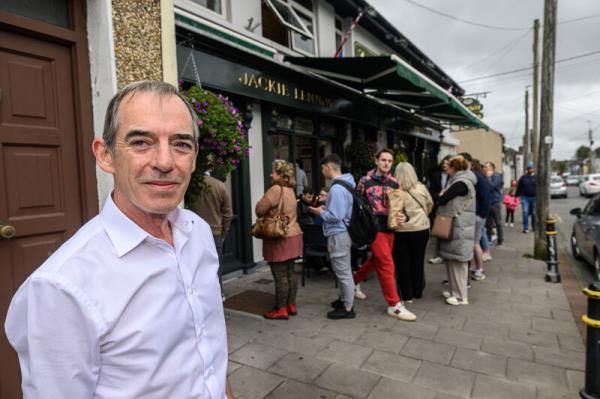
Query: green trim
point(436, 91)
point(223, 35)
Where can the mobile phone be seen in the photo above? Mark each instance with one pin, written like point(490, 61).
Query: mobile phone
point(406, 217)
point(316, 200)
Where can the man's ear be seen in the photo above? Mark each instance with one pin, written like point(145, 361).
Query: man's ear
point(104, 158)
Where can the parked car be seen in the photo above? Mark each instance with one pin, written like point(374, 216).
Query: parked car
point(590, 185)
point(573, 180)
point(585, 239)
point(558, 187)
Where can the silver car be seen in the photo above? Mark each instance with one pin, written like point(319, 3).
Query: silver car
point(585, 239)
point(558, 187)
point(590, 185)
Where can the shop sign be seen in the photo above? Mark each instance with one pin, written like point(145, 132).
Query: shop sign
point(277, 87)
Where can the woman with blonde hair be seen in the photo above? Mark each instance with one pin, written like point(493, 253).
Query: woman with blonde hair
point(458, 202)
point(281, 253)
point(409, 218)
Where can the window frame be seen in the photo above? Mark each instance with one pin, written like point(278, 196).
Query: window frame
point(290, 6)
point(307, 14)
point(193, 7)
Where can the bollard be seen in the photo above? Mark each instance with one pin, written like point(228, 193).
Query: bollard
point(552, 275)
point(592, 357)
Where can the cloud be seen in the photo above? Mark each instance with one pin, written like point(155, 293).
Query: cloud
point(456, 46)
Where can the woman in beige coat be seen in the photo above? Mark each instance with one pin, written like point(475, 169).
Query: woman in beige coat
point(281, 253)
point(409, 218)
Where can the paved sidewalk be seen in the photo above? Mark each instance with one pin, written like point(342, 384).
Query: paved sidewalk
point(517, 340)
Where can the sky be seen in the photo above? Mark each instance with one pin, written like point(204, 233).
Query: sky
point(466, 51)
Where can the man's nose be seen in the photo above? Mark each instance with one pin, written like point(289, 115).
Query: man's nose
point(163, 158)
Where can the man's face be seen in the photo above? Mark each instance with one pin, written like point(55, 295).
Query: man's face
point(307, 197)
point(384, 163)
point(326, 171)
point(154, 154)
point(445, 165)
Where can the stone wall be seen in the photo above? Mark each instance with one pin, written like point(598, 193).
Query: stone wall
point(137, 40)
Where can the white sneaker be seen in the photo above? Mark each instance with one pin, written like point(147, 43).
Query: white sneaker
point(401, 312)
point(446, 294)
point(436, 261)
point(512, 225)
point(486, 257)
point(478, 275)
point(454, 301)
point(494, 238)
point(505, 224)
point(358, 294)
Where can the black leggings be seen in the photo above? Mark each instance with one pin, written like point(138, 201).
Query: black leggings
point(510, 216)
point(409, 259)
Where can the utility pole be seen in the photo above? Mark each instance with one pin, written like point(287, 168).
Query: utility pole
point(546, 120)
point(535, 137)
point(591, 147)
point(526, 135)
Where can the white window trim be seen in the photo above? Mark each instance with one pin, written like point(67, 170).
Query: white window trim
point(190, 6)
point(290, 5)
point(310, 14)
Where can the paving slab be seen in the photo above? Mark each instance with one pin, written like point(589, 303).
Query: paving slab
point(501, 346)
point(571, 342)
point(480, 362)
point(538, 374)
point(344, 353)
point(257, 355)
point(383, 341)
point(428, 350)
point(560, 357)
point(250, 383)
point(348, 381)
point(459, 338)
point(291, 389)
point(387, 389)
point(299, 367)
point(391, 365)
point(445, 379)
point(487, 387)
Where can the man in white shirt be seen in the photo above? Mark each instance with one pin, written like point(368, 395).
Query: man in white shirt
point(130, 306)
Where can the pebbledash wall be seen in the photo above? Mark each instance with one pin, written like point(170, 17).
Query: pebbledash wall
point(122, 52)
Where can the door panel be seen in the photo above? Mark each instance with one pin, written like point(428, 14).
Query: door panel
point(40, 193)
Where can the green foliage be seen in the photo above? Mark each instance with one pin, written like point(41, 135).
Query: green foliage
point(361, 156)
point(583, 152)
point(223, 140)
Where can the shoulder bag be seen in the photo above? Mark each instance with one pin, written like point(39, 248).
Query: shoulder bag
point(443, 225)
point(272, 227)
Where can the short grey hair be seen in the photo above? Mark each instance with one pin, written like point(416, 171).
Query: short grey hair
point(406, 176)
point(162, 89)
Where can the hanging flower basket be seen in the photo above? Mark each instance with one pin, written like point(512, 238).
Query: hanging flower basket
point(223, 140)
point(361, 155)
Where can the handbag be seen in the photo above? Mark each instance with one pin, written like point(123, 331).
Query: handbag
point(272, 227)
point(443, 225)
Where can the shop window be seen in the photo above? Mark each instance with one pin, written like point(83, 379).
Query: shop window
point(281, 147)
point(302, 125)
point(289, 23)
point(327, 129)
point(55, 12)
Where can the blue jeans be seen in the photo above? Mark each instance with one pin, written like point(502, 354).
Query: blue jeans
point(484, 242)
point(528, 204)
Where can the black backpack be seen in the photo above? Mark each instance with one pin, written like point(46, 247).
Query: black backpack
point(363, 224)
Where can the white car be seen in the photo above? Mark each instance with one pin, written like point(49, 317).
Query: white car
point(590, 185)
point(573, 180)
point(558, 187)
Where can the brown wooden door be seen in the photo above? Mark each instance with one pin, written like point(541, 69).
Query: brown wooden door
point(39, 176)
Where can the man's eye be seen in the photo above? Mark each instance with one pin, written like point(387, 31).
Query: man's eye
point(139, 143)
point(184, 145)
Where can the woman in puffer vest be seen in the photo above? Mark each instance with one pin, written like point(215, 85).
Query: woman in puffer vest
point(409, 218)
point(458, 201)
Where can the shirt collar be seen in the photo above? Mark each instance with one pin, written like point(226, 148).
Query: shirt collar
point(125, 234)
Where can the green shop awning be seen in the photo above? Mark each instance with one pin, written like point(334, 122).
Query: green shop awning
point(393, 80)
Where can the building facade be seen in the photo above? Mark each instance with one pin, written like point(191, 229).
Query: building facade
point(62, 60)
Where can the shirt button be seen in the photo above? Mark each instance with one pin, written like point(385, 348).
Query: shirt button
point(190, 291)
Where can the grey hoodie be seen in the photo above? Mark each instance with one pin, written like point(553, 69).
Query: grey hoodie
point(338, 208)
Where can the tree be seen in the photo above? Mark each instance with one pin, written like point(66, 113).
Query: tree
point(583, 152)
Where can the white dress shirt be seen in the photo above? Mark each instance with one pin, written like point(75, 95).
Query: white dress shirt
point(116, 313)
